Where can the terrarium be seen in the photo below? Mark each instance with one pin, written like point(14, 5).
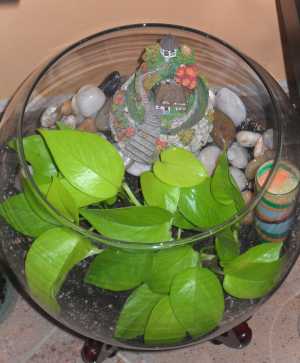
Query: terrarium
point(131, 167)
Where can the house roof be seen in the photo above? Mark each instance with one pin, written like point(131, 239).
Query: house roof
point(169, 42)
point(170, 94)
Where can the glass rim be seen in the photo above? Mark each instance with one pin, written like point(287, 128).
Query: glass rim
point(98, 238)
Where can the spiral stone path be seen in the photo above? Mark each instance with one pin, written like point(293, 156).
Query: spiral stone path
point(141, 147)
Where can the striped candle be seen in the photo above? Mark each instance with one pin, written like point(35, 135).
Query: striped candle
point(274, 214)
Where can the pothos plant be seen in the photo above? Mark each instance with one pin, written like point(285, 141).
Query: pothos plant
point(172, 295)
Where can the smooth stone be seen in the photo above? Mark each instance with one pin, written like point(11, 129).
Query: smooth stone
point(88, 100)
point(209, 156)
point(239, 177)
point(223, 132)
point(230, 103)
point(102, 118)
point(66, 108)
point(254, 164)
point(89, 125)
point(70, 120)
point(248, 196)
point(75, 108)
point(137, 169)
point(268, 138)
point(259, 148)
point(211, 99)
point(247, 138)
point(111, 84)
point(49, 117)
point(238, 156)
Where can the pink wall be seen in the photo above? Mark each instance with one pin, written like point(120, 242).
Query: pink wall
point(31, 30)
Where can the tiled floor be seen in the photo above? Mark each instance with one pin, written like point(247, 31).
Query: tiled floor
point(27, 337)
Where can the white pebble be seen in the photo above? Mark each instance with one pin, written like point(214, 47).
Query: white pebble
point(138, 168)
point(238, 156)
point(259, 148)
point(239, 177)
point(209, 156)
point(88, 101)
point(247, 138)
point(230, 103)
point(268, 137)
point(70, 120)
point(49, 116)
point(211, 100)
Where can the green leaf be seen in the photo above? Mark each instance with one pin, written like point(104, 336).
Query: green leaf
point(167, 264)
point(111, 201)
point(43, 182)
point(227, 245)
point(199, 207)
point(159, 194)
point(62, 200)
point(37, 154)
point(50, 258)
point(18, 213)
point(36, 205)
point(134, 224)
point(135, 313)
point(181, 222)
point(179, 167)
point(254, 273)
point(117, 270)
point(88, 161)
point(163, 327)
point(80, 198)
point(197, 300)
point(223, 186)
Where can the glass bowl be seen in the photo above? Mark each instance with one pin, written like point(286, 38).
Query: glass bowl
point(93, 311)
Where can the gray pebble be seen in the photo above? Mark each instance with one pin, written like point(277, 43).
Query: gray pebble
point(239, 177)
point(268, 137)
point(89, 100)
point(259, 148)
point(102, 118)
point(209, 156)
point(230, 103)
point(247, 138)
point(49, 117)
point(238, 156)
point(138, 168)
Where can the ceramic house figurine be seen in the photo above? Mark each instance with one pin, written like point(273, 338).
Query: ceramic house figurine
point(164, 103)
point(168, 47)
point(170, 95)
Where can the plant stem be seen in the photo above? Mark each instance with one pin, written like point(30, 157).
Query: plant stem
point(179, 233)
point(132, 198)
point(217, 271)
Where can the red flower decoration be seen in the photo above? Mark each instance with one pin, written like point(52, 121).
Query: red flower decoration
point(119, 98)
point(125, 133)
point(161, 144)
point(187, 76)
point(130, 131)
